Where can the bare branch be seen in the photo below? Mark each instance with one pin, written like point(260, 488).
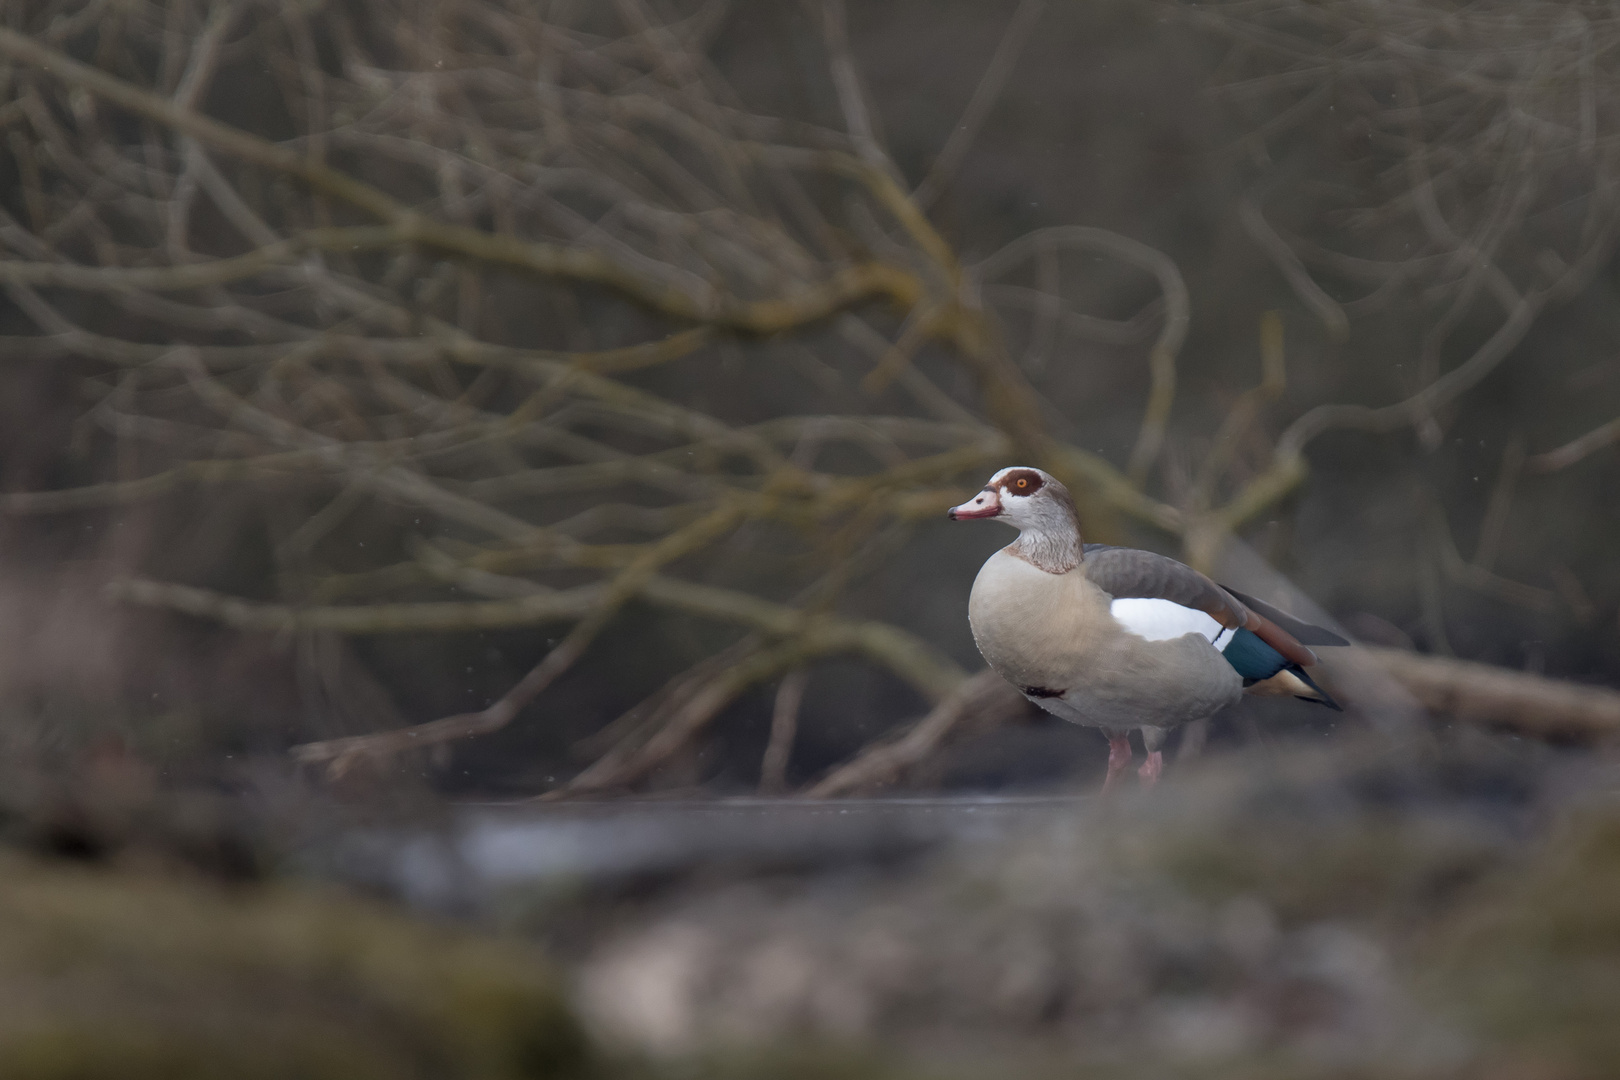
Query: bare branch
point(1481, 579)
point(784, 725)
point(985, 95)
point(986, 693)
point(1293, 271)
point(1577, 449)
point(1500, 505)
point(1177, 315)
point(847, 286)
point(847, 84)
point(1496, 697)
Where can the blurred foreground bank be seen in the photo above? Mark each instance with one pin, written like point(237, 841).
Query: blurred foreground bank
point(1446, 908)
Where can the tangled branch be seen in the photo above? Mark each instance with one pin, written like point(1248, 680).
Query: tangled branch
point(490, 268)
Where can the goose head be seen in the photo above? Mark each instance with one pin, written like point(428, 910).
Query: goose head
point(1035, 503)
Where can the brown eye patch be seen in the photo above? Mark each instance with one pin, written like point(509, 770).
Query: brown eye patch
point(1021, 482)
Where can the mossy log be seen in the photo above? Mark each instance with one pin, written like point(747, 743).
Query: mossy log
point(128, 976)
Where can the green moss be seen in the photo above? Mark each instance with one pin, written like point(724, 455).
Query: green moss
point(1533, 965)
point(812, 1061)
point(1371, 867)
point(106, 974)
point(92, 1053)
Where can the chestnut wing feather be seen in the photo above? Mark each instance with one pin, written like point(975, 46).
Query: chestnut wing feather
point(1305, 633)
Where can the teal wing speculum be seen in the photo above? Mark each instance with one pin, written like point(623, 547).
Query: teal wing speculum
point(1255, 661)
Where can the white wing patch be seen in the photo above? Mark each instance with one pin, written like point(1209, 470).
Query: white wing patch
point(1164, 620)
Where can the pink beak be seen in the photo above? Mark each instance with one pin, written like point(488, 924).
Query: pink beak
point(986, 504)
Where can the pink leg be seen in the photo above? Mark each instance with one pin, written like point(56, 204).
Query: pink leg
point(1151, 768)
point(1119, 757)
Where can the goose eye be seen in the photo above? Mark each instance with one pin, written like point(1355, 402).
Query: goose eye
point(1023, 483)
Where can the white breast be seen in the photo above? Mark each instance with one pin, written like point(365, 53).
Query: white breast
point(1153, 619)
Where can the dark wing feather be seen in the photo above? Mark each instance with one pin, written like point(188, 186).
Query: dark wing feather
point(1123, 572)
point(1126, 572)
point(1303, 632)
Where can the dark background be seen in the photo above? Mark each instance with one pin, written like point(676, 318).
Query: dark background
point(1154, 121)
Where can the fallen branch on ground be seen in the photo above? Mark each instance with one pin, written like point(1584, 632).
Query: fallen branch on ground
point(1491, 696)
point(986, 698)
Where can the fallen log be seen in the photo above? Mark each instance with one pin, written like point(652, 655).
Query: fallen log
point(1464, 690)
point(1492, 696)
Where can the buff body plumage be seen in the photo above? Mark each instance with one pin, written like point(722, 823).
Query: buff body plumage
point(1117, 639)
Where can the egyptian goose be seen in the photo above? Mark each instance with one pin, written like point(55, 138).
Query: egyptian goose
point(1116, 638)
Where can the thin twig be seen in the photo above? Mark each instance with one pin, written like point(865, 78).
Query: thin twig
point(1162, 357)
point(985, 95)
point(1500, 505)
point(847, 84)
point(985, 693)
point(784, 726)
point(1293, 270)
point(845, 287)
point(1576, 449)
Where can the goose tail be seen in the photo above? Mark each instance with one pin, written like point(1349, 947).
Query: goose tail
point(1293, 681)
